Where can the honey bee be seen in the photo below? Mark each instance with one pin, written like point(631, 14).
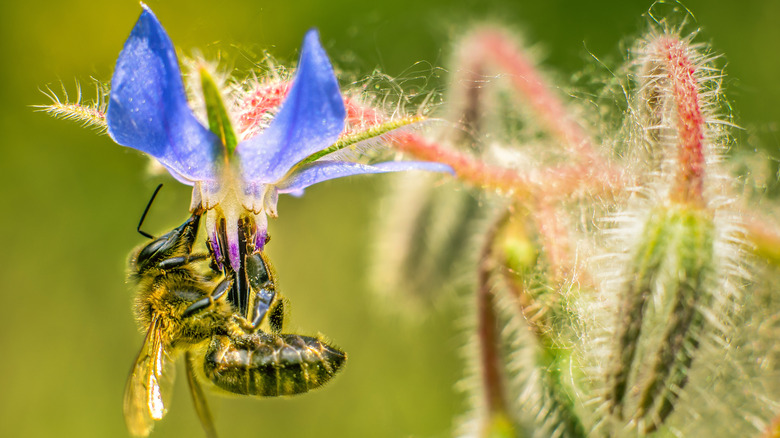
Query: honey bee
point(186, 311)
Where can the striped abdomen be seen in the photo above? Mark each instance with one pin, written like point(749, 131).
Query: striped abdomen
point(271, 365)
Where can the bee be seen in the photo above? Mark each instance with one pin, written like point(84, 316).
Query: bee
point(184, 310)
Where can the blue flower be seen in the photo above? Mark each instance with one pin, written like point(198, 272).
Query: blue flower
point(148, 111)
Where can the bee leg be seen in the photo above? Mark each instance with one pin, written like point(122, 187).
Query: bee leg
point(264, 297)
point(276, 317)
point(177, 262)
point(205, 303)
point(199, 398)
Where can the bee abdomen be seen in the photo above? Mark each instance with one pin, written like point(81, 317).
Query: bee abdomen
point(271, 365)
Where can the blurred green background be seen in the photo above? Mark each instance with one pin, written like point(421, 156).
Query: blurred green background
point(72, 199)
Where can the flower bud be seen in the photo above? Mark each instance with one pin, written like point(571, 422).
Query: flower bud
point(668, 287)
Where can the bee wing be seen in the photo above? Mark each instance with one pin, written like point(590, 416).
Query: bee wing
point(198, 398)
point(150, 384)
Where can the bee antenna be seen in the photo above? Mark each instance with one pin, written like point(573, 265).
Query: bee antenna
point(146, 210)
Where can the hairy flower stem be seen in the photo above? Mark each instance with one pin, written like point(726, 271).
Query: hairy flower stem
point(671, 275)
point(471, 111)
point(466, 167)
point(680, 72)
point(552, 183)
point(586, 171)
point(489, 338)
point(494, 47)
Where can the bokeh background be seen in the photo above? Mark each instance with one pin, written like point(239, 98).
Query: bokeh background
point(71, 200)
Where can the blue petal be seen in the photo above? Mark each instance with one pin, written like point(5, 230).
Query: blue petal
point(319, 171)
point(148, 110)
point(310, 119)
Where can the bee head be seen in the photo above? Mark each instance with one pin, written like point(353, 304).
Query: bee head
point(176, 243)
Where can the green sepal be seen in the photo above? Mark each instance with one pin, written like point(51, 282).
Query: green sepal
point(645, 262)
point(691, 267)
point(219, 121)
point(669, 282)
point(360, 136)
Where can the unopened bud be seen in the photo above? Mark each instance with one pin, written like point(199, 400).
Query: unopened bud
point(668, 286)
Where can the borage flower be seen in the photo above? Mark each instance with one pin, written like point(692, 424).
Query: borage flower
point(235, 180)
